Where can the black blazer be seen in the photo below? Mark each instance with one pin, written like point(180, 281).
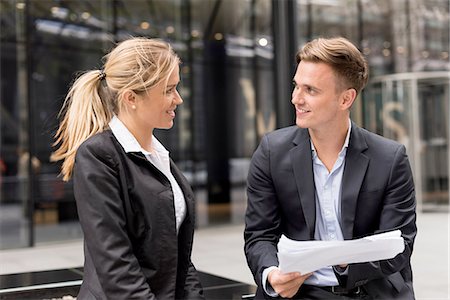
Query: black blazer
point(126, 210)
point(377, 196)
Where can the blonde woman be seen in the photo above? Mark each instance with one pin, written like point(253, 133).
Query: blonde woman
point(136, 208)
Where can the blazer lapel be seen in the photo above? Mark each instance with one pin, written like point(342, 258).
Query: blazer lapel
point(185, 188)
point(356, 163)
point(304, 177)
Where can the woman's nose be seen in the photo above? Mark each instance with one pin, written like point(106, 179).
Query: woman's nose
point(178, 99)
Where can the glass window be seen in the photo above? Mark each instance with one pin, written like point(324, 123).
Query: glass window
point(327, 18)
point(227, 84)
point(433, 95)
point(14, 138)
point(65, 37)
point(232, 54)
point(430, 47)
point(377, 43)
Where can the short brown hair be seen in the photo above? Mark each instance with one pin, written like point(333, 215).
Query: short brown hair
point(342, 56)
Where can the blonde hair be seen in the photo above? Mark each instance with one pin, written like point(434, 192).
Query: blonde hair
point(136, 64)
point(345, 59)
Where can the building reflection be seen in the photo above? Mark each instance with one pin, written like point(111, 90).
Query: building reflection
point(238, 61)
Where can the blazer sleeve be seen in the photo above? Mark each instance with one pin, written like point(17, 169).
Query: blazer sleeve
point(193, 289)
point(398, 212)
point(262, 218)
point(99, 199)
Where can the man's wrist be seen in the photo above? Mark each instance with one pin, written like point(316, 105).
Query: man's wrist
point(267, 287)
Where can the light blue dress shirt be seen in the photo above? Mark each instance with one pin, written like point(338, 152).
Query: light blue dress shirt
point(328, 212)
point(328, 208)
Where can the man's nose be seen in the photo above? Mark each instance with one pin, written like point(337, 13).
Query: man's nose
point(297, 97)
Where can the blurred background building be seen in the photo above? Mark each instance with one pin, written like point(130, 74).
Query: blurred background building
point(238, 63)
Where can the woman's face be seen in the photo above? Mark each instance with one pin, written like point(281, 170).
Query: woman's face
point(156, 107)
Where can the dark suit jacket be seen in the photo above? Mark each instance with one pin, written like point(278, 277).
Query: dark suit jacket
point(127, 214)
point(377, 196)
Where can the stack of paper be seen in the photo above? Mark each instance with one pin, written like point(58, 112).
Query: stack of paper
point(309, 256)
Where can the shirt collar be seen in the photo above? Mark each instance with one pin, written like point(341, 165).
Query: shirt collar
point(129, 142)
point(345, 146)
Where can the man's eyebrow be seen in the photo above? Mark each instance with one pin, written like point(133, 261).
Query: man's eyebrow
point(307, 85)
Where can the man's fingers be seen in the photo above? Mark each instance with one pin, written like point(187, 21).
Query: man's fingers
point(291, 276)
point(286, 285)
point(294, 276)
point(291, 288)
point(277, 278)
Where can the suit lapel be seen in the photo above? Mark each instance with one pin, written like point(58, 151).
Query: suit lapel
point(185, 188)
point(304, 177)
point(356, 164)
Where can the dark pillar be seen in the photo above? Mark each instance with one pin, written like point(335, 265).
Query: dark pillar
point(215, 95)
point(285, 44)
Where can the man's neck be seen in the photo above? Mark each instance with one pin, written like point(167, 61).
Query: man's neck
point(328, 143)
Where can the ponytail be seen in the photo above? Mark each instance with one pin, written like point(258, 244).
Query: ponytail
point(84, 113)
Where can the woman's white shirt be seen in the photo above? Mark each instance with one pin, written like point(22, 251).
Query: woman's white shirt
point(159, 158)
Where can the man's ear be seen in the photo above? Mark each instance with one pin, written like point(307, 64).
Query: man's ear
point(347, 98)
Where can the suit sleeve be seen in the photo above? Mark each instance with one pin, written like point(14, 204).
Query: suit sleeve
point(193, 289)
point(262, 218)
point(398, 212)
point(99, 201)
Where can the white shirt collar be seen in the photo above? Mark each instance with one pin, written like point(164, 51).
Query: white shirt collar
point(129, 142)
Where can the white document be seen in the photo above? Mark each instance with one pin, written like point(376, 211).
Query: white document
point(309, 256)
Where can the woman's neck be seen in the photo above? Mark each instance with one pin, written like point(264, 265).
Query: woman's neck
point(142, 135)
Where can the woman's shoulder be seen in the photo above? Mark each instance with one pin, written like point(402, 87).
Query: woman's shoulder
point(101, 143)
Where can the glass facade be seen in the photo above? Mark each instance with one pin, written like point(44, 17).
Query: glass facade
point(238, 62)
point(408, 95)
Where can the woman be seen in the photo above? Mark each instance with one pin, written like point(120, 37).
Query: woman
point(136, 208)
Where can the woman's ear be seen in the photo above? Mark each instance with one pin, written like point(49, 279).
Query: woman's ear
point(130, 99)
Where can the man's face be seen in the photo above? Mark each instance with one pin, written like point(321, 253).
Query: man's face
point(316, 96)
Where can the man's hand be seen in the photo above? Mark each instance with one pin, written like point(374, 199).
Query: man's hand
point(286, 285)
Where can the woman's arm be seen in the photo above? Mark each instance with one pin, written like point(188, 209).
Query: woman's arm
point(99, 198)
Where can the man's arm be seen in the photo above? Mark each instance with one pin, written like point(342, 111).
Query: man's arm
point(262, 219)
point(398, 212)
point(263, 229)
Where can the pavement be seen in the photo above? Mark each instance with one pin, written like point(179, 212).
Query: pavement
point(219, 250)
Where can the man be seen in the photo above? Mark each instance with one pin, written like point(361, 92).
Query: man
point(328, 179)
